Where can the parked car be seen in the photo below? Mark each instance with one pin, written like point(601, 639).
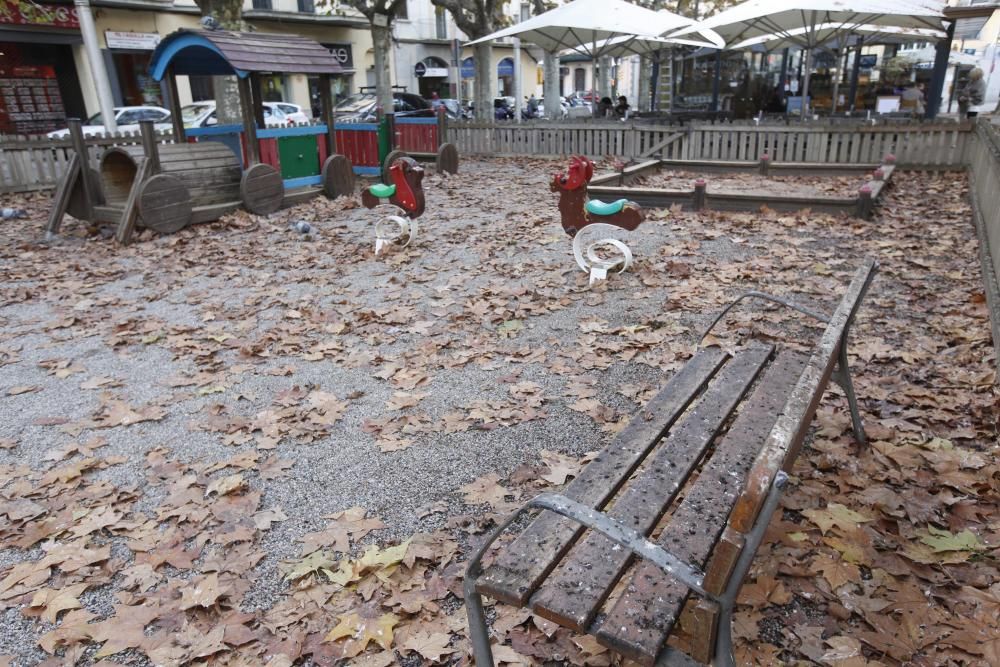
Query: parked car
point(127, 119)
point(360, 108)
point(452, 108)
point(576, 107)
point(202, 114)
point(293, 112)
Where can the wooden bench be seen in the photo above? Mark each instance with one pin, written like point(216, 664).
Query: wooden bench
point(737, 419)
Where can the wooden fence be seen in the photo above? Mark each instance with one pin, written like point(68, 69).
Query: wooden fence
point(915, 145)
point(36, 163)
point(984, 180)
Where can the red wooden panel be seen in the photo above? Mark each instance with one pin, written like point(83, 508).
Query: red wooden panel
point(323, 154)
point(417, 138)
point(269, 152)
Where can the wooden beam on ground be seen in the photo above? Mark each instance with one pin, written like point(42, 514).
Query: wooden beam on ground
point(127, 223)
point(80, 147)
point(63, 191)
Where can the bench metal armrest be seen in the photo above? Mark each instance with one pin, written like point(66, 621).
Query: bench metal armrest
point(753, 294)
point(611, 528)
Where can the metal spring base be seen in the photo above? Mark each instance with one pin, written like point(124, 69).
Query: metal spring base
point(586, 254)
point(394, 229)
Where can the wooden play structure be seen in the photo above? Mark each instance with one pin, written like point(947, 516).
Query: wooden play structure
point(584, 218)
point(210, 171)
point(422, 139)
point(405, 191)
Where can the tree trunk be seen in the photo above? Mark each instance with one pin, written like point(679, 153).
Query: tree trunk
point(229, 14)
point(382, 43)
point(550, 91)
point(484, 84)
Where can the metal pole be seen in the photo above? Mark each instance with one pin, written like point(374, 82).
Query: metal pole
point(942, 51)
point(716, 80)
point(89, 32)
point(805, 81)
point(593, 73)
point(805, 84)
point(784, 74)
point(836, 81)
point(855, 74)
point(518, 104)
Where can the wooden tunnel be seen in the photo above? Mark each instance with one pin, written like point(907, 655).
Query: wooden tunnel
point(190, 183)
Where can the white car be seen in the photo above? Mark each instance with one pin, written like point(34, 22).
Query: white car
point(127, 118)
point(293, 112)
point(202, 114)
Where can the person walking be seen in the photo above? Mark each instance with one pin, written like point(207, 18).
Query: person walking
point(972, 94)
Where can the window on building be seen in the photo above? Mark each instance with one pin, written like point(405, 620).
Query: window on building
point(262, 4)
point(307, 6)
point(441, 22)
point(402, 12)
point(525, 11)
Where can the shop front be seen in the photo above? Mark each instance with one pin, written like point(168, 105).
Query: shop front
point(341, 84)
point(432, 77)
point(128, 69)
point(39, 85)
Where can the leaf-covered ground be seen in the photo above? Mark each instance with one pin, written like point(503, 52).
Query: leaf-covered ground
point(244, 445)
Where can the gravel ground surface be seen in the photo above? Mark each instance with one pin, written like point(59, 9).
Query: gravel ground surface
point(384, 383)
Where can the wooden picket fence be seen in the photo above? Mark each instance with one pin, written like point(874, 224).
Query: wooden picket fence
point(915, 145)
point(984, 177)
point(36, 163)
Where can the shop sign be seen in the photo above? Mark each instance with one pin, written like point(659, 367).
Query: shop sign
point(422, 70)
point(38, 14)
point(343, 54)
point(505, 67)
point(138, 41)
point(469, 68)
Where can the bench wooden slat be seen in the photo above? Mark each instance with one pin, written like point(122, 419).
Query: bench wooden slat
point(643, 616)
point(522, 566)
point(574, 593)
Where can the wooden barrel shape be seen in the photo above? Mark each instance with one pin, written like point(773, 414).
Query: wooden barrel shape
point(208, 169)
point(262, 189)
point(338, 177)
point(164, 204)
point(447, 159)
point(75, 207)
point(389, 159)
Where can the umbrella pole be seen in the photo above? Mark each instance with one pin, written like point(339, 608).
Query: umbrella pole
point(805, 84)
point(836, 83)
point(593, 74)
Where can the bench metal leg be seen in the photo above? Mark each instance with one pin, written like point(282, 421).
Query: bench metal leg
point(842, 376)
point(724, 638)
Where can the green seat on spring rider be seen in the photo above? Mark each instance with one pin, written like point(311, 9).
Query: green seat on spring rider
point(382, 191)
point(597, 207)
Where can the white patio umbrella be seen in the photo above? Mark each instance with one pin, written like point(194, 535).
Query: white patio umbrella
point(598, 28)
point(761, 18)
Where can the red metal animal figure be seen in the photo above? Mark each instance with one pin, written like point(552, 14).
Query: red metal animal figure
point(406, 190)
point(578, 212)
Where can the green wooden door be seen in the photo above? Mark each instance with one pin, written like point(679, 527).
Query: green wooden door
point(299, 156)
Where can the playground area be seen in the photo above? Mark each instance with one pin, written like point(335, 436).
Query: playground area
point(253, 442)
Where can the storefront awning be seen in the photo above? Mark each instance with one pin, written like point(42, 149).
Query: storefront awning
point(222, 52)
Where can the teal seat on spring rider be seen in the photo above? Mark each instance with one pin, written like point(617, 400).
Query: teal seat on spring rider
point(597, 207)
point(382, 191)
